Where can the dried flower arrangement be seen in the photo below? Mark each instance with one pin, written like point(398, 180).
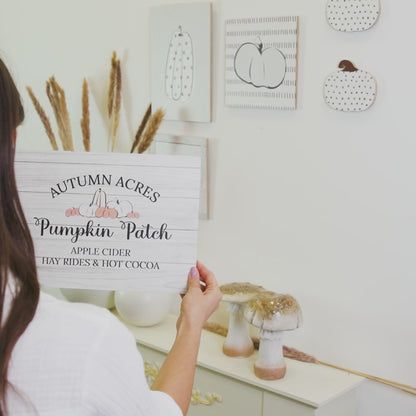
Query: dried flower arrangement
point(144, 136)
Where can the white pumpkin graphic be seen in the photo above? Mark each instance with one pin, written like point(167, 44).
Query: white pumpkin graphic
point(99, 200)
point(123, 207)
point(349, 89)
point(352, 15)
point(258, 66)
point(179, 67)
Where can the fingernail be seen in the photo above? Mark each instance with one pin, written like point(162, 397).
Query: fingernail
point(194, 272)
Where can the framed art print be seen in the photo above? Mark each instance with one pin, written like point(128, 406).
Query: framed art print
point(261, 62)
point(180, 56)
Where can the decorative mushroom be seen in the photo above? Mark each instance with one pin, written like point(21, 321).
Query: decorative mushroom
point(272, 313)
point(238, 342)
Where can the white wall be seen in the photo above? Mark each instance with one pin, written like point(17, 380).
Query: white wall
point(313, 202)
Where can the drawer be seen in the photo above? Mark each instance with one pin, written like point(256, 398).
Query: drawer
point(344, 405)
point(274, 405)
point(237, 398)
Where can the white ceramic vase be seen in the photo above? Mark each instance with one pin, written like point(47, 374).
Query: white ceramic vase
point(143, 308)
point(103, 298)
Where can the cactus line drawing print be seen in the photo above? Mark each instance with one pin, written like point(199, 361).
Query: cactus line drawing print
point(261, 62)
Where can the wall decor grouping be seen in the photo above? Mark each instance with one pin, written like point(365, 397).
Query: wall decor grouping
point(349, 88)
point(261, 62)
point(352, 15)
point(181, 61)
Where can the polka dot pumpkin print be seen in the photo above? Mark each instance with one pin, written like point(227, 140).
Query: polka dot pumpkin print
point(179, 67)
point(349, 89)
point(352, 15)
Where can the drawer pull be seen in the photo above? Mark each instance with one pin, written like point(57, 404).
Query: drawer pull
point(151, 370)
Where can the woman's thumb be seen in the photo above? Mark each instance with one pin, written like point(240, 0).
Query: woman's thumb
point(193, 277)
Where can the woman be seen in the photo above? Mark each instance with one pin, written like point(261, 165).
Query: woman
point(59, 358)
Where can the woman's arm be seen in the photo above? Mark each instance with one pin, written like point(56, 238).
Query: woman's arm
point(176, 376)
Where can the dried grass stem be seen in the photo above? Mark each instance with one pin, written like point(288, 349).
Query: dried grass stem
point(85, 120)
point(141, 128)
point(117, 106)
point(151, 129)
point(44, 118)
point(57, 99)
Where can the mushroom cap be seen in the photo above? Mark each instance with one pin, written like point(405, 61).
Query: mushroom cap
point(239, 292)
point(273, 312)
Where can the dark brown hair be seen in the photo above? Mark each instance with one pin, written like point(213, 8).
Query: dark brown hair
point(17, 258)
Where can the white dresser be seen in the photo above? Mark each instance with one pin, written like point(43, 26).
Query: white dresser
point(227, 386)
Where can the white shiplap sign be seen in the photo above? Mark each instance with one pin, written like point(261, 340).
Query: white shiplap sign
point(109, 220)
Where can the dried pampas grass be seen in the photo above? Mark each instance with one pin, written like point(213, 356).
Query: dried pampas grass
point(57, 99)
point(114, 99)
point(140, 130)
point(85, 121)
point(44, 118)
point(112, 84)
point(117, 106)
point(146, 139)
point(145, 133)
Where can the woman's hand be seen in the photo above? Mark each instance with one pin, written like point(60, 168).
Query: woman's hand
point(201, 299)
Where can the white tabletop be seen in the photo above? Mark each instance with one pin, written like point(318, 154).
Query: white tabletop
point(309, 383)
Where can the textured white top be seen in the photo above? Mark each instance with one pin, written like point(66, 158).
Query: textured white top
point(78, 359)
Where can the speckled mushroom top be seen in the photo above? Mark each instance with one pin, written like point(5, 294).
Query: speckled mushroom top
point(274, 311)
point(240, 292)
point(270, 303)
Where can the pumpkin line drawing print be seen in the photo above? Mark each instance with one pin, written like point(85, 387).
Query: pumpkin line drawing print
point(99, 207)
point(179, 67)
point(259, 66)
point(261, 60)
point(349, 88)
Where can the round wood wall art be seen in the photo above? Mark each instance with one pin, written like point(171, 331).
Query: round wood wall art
point(352, 15)
point(349, 88)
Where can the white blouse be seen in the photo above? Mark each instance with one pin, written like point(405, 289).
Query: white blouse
point(77, 359)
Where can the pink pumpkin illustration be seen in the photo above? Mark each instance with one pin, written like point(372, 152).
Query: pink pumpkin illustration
point(99, 212)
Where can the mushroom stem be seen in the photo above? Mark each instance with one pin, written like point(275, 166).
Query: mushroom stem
point(270, 364)
point(238, 342)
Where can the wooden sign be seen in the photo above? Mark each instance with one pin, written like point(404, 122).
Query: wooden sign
point(111, 221)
